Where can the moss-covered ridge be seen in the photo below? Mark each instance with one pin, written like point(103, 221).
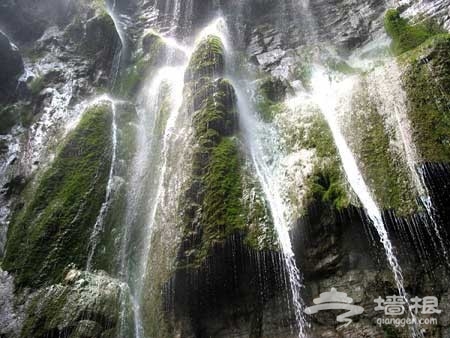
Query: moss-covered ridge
point(425, 60)
point(325, 182)
point(214, 203)
point(54, 226)
point(426, 79)
point(208, 59)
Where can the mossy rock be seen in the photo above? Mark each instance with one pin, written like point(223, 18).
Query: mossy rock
point(208, 59)
point(9, 116)
point(325, 185)
point(426, 79)
point(216, 192)
point(406, 36)
point(214, 202)
point(54, 227)
point(326, 181)
point(274, 89)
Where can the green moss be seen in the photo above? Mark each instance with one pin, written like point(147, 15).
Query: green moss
point(325, 185)
point(47, 314)
point(100, 7)
point(105, 257)
point(406, 36)
point(214, 203)
point(261, 233)
point(303, 69)
point(426, 80)
point(208, 59)
point(222, 212)
point(55, 225)
point(274, 89)
point(327, 181)
point(382, 168)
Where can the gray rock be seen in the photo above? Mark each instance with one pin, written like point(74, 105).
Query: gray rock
point(11, 66)
point(85, 305)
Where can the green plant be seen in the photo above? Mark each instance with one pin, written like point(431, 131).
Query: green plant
point(406, 36)
point(54, 227)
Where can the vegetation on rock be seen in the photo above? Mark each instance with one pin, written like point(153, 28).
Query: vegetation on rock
point(84, 305)
point(214, 204)
point(405, 35)
point(381, 166)
point(426, 80)
point(269, 103)
point(54, 227)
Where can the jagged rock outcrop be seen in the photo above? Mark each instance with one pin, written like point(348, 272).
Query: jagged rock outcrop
point(11, 67)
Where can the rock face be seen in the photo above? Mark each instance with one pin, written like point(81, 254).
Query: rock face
point(65, 205)
point(83, 305)
point(218, 244)
point(11, 67)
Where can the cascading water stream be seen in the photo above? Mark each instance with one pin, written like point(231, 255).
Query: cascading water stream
point(324, 93)
point(394, 99)
point(174, 78)
point(99, 223)
point(261, 140)
point(122, 49)
point(146, 186)
point(168, 81)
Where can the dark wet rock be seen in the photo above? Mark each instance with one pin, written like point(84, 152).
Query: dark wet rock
point(149, 41)
point(11, 66)
point(14, 187)
point(275, 89)
point(26, 21)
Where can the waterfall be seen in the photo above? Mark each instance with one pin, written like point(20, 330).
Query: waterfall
point(174, 77)
point(99, 223)
point(325, 93)
point(387, 85)
point(265, 155)
point(261, 139)
point(123, 47)
point(146, 188)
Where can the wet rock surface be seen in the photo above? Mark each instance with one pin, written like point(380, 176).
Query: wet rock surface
point(11, 67)
point(83, 305)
